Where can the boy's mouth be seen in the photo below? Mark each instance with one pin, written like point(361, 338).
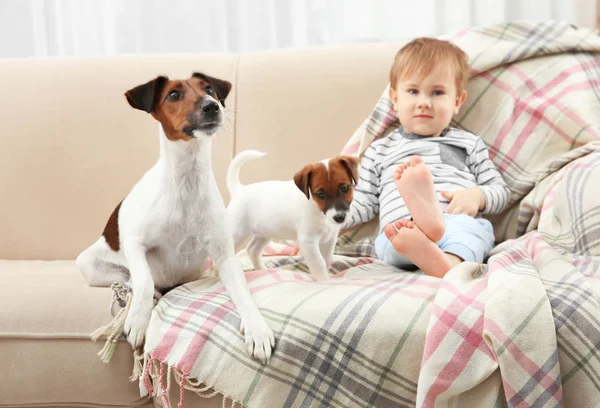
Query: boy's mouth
point(423, 116)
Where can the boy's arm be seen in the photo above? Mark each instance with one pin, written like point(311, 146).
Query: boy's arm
point(495, 191)
point(365, 203)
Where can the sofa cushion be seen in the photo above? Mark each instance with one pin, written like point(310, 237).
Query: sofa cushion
point(46, 316)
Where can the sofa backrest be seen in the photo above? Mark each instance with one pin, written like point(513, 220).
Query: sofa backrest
point(71, 147)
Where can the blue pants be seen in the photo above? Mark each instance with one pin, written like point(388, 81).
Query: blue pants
point(469, 238)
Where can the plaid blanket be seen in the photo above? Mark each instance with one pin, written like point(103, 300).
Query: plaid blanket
point(523, 330)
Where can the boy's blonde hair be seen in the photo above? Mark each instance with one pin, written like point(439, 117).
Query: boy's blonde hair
point(422, 55)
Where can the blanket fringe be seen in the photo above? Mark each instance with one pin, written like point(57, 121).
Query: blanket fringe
point(113, 331)
point(122, 296)
point(148, 370)
point(154, 377)
point(138, 365)
point(163, 391)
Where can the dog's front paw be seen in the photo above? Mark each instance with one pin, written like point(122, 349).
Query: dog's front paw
point(135, 327)
point(259, 338)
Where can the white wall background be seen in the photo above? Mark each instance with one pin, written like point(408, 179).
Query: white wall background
point(108, 27)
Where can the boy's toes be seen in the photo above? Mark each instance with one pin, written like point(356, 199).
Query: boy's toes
point(390, 231)
point(400, 169)
point(404, 223)
point(415, 160)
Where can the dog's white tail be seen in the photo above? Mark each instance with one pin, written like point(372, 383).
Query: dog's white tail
point(233, 171)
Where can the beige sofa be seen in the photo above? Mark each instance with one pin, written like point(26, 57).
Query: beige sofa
point(71, 148)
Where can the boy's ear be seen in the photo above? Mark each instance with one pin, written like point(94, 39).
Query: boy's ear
point(459, 101)
point(393, 96)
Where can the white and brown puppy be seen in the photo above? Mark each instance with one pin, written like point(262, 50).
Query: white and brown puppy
point(311, 209)
point(174, 217)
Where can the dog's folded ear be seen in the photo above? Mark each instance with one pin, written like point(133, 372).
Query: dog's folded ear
point(144, 97)
point(221, 87)
point(350, 163)
point(302, 180)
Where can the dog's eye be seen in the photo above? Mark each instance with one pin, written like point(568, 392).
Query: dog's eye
point(174, 95)
point(209, 91)
point(320, 195)
point(344, 189)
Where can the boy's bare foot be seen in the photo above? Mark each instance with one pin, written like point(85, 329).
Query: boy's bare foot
point(410, 241)
point(415, 184)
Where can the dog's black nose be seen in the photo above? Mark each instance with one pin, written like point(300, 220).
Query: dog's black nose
point(339, 218)
point(209, 106)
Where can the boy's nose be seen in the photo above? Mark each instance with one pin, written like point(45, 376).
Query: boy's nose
point(424, 103)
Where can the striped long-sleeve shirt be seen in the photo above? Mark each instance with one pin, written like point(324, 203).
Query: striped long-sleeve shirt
point(457, 160)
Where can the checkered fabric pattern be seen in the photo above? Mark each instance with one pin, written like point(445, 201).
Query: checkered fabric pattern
point(523, 330)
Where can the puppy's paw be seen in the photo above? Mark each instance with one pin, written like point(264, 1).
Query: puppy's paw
point(259, 338)
point(321, 277)
point(135, 327)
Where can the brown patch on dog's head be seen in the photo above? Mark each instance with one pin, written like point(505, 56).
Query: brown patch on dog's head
point(350, 164)
point(302, 179)
point(331, 187)
point(185, 108)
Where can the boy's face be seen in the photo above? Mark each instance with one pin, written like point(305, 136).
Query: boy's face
point(425, 105)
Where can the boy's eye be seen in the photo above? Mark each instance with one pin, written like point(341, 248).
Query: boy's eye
point(320, 195)
point(413, 91)
point(437, 93)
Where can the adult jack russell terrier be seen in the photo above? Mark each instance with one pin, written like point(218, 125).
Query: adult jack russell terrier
point(310, 209)
point(174, 217)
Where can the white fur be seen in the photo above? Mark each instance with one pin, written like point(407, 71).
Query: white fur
point(269, 210)
point(172, 219)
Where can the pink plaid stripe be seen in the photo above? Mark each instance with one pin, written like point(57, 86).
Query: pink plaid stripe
point(523, 360)
point(472, 341)
point(448, 318)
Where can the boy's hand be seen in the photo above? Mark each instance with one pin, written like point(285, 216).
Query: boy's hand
point(469, 201)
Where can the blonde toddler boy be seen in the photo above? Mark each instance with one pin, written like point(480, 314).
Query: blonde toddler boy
point(429, 182)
